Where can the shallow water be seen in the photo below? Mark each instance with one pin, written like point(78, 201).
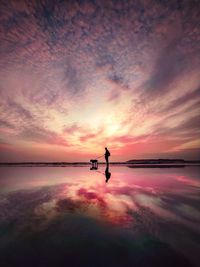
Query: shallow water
point(70, 216)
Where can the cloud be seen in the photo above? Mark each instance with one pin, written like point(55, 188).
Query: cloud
point(42, 135)
point(6, 124)
point(68, 64)
point(191, 123)
point(72, 129)
point(19, 110)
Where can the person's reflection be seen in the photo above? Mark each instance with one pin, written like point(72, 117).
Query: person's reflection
point(107, 173)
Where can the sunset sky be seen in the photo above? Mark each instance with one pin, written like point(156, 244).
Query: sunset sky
point(76, 76)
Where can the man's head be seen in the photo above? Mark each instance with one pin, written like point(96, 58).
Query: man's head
point(105, 148)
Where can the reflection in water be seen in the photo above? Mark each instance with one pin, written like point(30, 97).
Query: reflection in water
point(142, 217)
point(94, 164)
point(94, 168)
point(107, 173)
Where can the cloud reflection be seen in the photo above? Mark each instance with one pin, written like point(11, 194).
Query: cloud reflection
point(163, 205)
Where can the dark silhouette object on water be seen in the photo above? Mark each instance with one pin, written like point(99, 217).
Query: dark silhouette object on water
point(94, 164)
point(107, 173)
point(107, 155)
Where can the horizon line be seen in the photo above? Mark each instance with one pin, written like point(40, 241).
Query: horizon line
point(100, 162)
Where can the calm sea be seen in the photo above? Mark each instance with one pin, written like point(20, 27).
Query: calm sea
point(74, 216)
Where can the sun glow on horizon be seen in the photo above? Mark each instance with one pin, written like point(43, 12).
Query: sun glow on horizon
point(68, 88)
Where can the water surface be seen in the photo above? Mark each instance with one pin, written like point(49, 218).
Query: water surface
point(71, 216)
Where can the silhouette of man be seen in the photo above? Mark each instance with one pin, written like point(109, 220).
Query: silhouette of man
point(107, 174)
point(107, 155)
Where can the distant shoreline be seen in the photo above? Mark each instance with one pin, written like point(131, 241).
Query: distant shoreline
point(142, 163)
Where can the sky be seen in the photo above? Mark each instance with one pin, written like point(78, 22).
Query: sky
point(79, 76)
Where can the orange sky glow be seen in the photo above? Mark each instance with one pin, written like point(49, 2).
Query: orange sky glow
point(76, 77)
